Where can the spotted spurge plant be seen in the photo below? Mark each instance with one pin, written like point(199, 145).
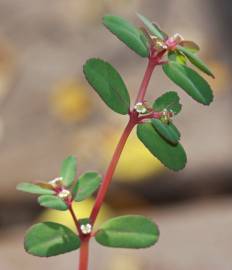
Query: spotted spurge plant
point(154, 121)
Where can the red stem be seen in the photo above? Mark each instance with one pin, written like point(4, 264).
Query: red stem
point(84, 254)
point(143, 88)
point(77, 224)
point(110, 171)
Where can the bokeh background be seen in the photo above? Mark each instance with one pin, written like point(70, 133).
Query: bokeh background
point(47, 111)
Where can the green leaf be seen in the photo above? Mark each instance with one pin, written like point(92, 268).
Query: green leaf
point(86, 185)
point(195, 60)
point(108, 84)
point(170, 101)
point(33, 188)
point(167, 131)
point(130, 231)
point(176, 56)
point(188, 79)
point(127, 33)
point(53, 202)
point(50, 239)
point(172, 156)
point(68, 170)
point(154, 29)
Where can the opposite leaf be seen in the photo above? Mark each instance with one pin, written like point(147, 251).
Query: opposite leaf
point(127, 33)
point(169, 101)
point(151, 27)
point(168, 131)
point(86, 185)
point(68, 170)
point(33, 188)
point(130, 231)
point(195, 60)
point(172, 156)
point(50, 239)
point(108, 84)
point(189, 80)
point(53, 202)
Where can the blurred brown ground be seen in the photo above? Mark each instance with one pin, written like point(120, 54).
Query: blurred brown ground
point(47, 111)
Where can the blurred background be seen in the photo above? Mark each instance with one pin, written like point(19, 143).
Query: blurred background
point(47, 112)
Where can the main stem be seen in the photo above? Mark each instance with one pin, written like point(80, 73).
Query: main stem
point(83, 262)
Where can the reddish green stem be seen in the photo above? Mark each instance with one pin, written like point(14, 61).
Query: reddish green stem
point(110, 171)
point(84, 254)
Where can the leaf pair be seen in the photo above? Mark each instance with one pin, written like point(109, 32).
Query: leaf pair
point(161, 138)
point(51, 239)
point(84, 187)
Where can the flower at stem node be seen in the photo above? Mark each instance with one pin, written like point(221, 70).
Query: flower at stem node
point(86, 228)
point(140, 108)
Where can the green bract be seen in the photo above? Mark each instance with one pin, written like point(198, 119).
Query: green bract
point(154, 29)
point(130, 231)
point(196, 61)
point(167, 131)
point(53, 202)
point(127, 33)
point(172, 156)
point(50, 239)
point(189, 80)
point(86, 185)
point(176, 56)
point(68, 170)
point(169, 101)
point(108, 84)
point(33, 188)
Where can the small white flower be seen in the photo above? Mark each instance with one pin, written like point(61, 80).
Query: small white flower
point(140, 108)
point(56, 182)
point(86, 228)
point(64, 193)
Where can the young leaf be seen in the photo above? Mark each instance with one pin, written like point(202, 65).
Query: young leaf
point(189, 80)
point(130, 231)
point(33, 188)
point(53, 202)
point(195, 60)
point(68, 170)
point(86, 185)
point(176, 56)
point(192, 46)
point(127, 33)
point(170, 101)
point(172, 156)
point(50, 239)
point(167, 131)
point(108, 84)
point(151, 27)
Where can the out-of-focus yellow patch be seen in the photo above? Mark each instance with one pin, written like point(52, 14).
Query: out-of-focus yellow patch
point(128, 262)
point(70, 101)
point(82, 209)
point(136, 163)
point(222, 79)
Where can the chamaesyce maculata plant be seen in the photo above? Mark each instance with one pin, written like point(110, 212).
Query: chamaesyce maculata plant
point(155, 129)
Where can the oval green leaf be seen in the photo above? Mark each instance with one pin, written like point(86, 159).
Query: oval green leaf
point(33, 188)
point(108, 84)
point(53, 202)
point(68, 170)
point(50, 239)
point(172, 156)
point(195, 60)
point(168, 131)
point(86, 185)
point(169, 101)
point(127, 33)
point(132, 231)
point(154, 29)
point(189, 80)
